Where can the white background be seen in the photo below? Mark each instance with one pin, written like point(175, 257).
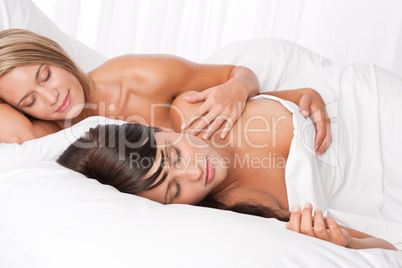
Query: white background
point(343, 30)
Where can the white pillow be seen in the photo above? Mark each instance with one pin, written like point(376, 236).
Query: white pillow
point(60, 218)
point(24, 14)
point(274, 61)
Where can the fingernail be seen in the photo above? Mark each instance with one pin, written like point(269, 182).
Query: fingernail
point(308, 205)
point(183, 126)
point(187, 97)
point(205, 136)
point(296, 208)
point(223, 136)
point(304, 113)
point(317, 210)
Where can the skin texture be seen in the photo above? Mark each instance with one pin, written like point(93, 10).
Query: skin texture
point(227, 155)
point(137, 88)
point(315, 225)
point(39, 90)
point(186, 159)
point(126, 88)
point(187, 170)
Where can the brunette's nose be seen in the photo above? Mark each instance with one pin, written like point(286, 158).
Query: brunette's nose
point(193, 172)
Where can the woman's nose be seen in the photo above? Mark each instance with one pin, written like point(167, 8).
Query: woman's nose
point(51, 96)
point(193, 172)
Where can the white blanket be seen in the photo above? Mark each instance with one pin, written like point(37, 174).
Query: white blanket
point(57, 217)
point(359, 179)
point(53, 217)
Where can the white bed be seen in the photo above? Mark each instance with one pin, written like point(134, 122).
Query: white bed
point(53, 217)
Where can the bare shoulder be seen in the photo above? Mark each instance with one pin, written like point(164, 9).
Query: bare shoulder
point(156, 77)
point(133, 61)
point(181, 109)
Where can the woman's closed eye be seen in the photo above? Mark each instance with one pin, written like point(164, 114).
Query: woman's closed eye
point(174, 158)
point(49, 73)
point(45, 76)
point(31, 102)
point(178, 191)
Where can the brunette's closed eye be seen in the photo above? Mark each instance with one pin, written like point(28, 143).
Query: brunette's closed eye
point(178, 191)
point(178, 155)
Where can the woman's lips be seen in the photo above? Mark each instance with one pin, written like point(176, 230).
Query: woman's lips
point(65, 104)
point(210, 172)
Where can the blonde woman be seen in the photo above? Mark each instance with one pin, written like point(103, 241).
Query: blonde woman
point(38, 79)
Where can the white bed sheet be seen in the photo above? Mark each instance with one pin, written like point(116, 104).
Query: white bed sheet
point(59, 218)
point(360, 177)
point(53, 217)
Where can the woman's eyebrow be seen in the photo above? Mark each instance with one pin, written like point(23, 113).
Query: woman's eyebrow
point(178, 153)
point(165, 150)
point(166, 173)
point(29, 93)
point(38, 71)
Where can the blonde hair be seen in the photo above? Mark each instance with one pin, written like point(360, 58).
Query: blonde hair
point(20, 47)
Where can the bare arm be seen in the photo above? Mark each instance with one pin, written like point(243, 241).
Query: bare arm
point(329, 230)
point(161, 78)
point(226, 100)
point(360, 240)
point(16, 128)
point(310, 103)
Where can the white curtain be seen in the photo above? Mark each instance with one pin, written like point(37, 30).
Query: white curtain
point(343, 30)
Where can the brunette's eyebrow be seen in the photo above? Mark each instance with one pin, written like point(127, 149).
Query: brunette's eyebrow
point(178, 153)
point(168, 187)
point(29, 93)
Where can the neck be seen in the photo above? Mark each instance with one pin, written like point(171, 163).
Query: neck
point(228, 154)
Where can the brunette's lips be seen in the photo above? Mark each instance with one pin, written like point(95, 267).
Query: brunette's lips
point(65, 104)
point(210, 172)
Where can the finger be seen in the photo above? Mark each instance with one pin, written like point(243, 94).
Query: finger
point(295, 218)
point(203, 109)
point(208, 121)
point(319, 120)
point(200, 126)
point(326, 142)
point(320, 228)
point(305, 106)
point(200, 96)
point(214, 126)
point(306, 225)
point(228, 127)
point(337, 236)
